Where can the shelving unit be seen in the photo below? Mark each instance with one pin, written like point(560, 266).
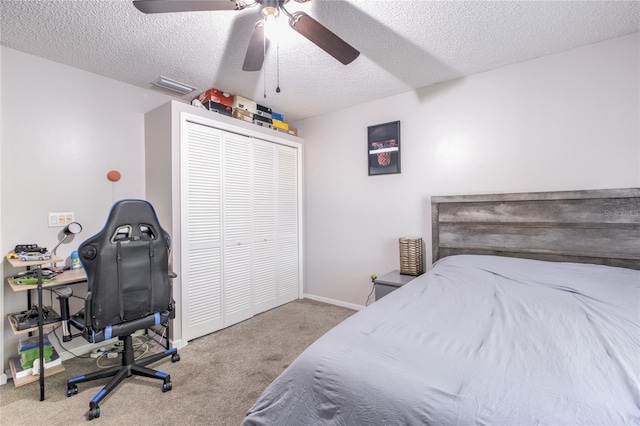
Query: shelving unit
point(71, 276)
point(20, 381)
point(68, 277)
point(29, 263)
point(32, 329)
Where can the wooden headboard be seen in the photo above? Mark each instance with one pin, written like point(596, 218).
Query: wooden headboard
point(595, 226)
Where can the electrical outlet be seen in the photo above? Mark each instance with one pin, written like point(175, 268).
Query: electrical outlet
point(60, 218)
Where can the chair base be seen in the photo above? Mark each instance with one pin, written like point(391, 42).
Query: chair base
point(130, 367)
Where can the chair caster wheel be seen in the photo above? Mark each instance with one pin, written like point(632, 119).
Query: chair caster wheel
point(175, 357)
point(166, 387)
point(72, 390)
point(93, 413)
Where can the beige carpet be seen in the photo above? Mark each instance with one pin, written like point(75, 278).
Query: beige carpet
point(216, 381)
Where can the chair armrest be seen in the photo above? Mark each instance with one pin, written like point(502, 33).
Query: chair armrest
point(88, 314)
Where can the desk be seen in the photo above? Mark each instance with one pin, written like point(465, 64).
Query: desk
point(66, 278)
point(72, 276)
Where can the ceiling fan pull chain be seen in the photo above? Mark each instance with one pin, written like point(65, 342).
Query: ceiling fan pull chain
point(264, 83)
point(278, 64)
point(264, 71)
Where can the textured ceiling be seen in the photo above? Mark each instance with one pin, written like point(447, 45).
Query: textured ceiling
point(404, 44)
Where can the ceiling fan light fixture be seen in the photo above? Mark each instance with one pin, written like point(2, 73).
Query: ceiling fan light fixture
point(270, 12)
point(302, 23)
point(174, 86)
point(273, 27)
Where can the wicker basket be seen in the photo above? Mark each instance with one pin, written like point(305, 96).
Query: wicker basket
point(411, 256)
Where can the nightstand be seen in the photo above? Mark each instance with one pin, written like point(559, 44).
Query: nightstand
point(391, 281)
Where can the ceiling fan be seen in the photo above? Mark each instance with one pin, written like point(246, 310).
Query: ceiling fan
point(254, 58)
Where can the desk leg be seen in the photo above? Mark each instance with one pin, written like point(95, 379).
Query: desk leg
point(29, 302)
point(40, 331)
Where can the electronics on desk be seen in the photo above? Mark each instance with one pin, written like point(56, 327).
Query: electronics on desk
point(28, 319)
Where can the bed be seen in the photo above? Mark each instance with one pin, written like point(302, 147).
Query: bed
point(529, 315)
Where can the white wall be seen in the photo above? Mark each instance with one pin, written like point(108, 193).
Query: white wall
point(62, 131)
point(561, 122)
point(569, 121)
point(3, 377)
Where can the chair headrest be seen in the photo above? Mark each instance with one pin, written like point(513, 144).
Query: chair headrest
point(128, 220)
point(132, 220)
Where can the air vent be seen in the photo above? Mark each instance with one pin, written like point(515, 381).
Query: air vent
point(174, 86)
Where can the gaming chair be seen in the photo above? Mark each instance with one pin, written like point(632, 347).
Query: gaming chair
point(129, 289)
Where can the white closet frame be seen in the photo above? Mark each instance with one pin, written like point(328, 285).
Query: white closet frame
point(164, 129)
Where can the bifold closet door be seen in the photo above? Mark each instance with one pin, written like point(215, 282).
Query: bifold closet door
point(275, 225)
point(264, 227)
point(201, 151)
point(287, 224)
point(237, 156)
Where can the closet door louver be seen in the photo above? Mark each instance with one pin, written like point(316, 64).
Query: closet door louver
point(202, 244)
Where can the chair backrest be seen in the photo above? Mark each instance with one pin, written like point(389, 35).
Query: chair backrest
point(127, 267)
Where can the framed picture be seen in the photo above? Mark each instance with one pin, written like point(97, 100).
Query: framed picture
point(383, 146)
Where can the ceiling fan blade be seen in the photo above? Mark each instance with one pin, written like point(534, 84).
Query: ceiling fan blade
point(257, 46)
point(323, 38)
point(168, 6)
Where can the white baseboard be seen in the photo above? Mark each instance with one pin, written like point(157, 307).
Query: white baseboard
point(178, 344)
point(334, 302)
point(3, 379)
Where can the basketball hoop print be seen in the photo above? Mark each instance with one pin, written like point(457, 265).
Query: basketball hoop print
point(383, 151)
point(384, 148)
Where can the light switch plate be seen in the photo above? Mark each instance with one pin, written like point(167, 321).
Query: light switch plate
point(59, 219)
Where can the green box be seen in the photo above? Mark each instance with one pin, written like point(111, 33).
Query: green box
point(28, 356)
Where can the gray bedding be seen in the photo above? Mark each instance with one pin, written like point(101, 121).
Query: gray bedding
point(476, 340)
